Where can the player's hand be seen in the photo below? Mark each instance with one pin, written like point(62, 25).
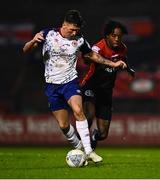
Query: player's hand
point(120, 64)
point(38, 37)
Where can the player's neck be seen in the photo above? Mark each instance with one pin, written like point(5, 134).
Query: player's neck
point(62, 33)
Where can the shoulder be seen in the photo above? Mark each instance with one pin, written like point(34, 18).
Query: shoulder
point(80, 37)
point(82, 40)
point(101, 43)
point(48, 30)
point(98, 45)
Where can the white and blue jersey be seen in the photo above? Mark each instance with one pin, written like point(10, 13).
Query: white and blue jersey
point(60, 55)
point(60, 58)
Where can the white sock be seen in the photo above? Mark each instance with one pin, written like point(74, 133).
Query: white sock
point(82, 128)
point(72, 137)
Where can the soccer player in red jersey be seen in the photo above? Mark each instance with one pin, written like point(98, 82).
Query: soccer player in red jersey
point(99, 81)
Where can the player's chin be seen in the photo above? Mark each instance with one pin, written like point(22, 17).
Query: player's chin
point(115, 45)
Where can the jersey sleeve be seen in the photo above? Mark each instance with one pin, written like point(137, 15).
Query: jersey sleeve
point(85, 48)
point(45, 32)
point(99, 47)
point(88, 75)
point(96, 49)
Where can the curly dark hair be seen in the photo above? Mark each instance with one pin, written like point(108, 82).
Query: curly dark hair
point(111, 25)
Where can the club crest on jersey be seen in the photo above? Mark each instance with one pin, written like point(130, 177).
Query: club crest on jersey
point(89, 93)
point(74, 43)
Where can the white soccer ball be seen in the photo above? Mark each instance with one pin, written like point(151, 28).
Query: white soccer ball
point(75, 158)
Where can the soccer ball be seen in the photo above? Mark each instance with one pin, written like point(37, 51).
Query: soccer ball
point(75, 158)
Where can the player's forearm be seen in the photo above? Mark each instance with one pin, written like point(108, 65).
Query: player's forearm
point(99, 59)
point(29, 46)
point(105, 61)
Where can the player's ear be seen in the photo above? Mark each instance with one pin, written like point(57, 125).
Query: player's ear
point(64, 24)
point(107, 36)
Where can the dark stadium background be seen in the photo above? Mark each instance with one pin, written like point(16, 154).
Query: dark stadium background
point(21, 83)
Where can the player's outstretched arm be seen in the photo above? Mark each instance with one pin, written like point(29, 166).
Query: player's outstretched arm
point(33, 43)
point(101, 60)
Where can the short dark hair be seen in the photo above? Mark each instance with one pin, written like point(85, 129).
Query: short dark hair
point(111, 25)
point(74, 16)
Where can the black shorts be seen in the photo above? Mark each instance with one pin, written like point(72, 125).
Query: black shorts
point(102, 99)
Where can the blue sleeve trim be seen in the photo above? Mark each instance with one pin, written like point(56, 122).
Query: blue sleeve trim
point(45, 32)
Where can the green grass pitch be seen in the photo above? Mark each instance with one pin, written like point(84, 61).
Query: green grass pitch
point(49, 163)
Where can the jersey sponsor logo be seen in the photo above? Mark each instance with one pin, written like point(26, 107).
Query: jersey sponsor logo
point(110, 70)
point(89, 93)
point(64, 47)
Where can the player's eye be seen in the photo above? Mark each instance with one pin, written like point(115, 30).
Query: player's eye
point(116, 36)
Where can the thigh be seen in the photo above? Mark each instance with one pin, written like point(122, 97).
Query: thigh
point(62, 118)
point(75, 103)
point(71, 89)
point(89, 109)
point(88, 101)
point(103, 105)
point(56, 101)
point(72, 94)
point(88, 93)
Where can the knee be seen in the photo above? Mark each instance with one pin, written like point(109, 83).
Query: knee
point(90, 116)
point(78, 112)
point(64, 125)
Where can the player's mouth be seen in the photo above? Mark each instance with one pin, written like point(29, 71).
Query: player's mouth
point(116, 43)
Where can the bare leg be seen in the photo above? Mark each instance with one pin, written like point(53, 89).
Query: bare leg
point(82, 127)
point(68, 130)
point(89, 110)
point(103, 127)
point(81, 122)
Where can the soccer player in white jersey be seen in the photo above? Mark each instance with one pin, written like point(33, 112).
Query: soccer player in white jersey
point(60, 50)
